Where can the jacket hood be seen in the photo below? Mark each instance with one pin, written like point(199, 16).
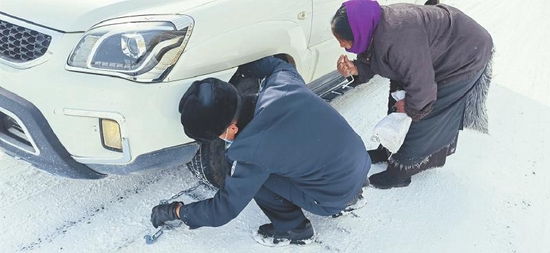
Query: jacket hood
point(79, 16)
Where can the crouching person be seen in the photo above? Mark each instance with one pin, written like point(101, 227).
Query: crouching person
point(288, 148)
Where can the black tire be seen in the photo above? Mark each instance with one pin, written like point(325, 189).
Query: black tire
point(209, 164)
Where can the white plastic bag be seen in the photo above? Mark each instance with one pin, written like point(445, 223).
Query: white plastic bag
point(392, 129)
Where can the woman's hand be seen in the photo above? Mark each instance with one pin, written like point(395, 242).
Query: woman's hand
point(400, 105)
point(346, 67)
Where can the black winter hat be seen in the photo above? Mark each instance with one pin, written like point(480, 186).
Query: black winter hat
point(207, 108)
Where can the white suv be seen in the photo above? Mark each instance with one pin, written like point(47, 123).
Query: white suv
point(90, 88)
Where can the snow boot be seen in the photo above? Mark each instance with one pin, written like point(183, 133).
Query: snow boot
point(387, 180)
point(301, 235)
point(358, 202)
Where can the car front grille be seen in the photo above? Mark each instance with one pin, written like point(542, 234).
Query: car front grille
point(19, 44)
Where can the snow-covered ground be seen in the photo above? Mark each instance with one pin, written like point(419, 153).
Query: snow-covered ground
point(492, 196)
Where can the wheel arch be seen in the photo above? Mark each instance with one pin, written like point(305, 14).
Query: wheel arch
point(244, 45)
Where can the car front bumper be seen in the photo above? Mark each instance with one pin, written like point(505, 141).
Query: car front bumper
point(25, 134)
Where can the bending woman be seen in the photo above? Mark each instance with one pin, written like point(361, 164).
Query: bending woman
point(439, 56)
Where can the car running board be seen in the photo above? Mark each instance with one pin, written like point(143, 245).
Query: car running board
point(331, 86)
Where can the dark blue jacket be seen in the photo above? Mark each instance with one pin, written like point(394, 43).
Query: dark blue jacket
point(293, 134)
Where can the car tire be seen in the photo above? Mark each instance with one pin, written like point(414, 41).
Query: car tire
point(209, 165)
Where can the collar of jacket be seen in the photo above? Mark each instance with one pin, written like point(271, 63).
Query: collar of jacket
point(366, 56)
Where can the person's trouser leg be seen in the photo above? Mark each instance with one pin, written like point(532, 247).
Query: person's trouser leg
point(288, 223)
point(282, 202)
point(283, 214)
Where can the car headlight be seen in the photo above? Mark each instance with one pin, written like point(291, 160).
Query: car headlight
point(141, 48)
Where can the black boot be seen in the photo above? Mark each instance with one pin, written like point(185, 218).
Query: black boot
point(388, 180)
point(431, 2)
point(356, 203)
point(379, 155)
point(301, 235)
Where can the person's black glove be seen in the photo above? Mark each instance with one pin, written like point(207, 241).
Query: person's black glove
point(163, 213)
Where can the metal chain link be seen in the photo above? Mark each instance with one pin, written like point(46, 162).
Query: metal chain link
point(177, 195)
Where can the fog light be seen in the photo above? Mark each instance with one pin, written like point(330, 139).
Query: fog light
point(110, 135)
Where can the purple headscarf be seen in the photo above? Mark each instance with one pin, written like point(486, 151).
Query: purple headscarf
point(363, 16)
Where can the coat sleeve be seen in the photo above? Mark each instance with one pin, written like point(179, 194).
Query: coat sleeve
point(365, 72)
point(238, 190)
point(411, 59)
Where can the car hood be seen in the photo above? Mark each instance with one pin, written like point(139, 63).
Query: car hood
point(78, 16)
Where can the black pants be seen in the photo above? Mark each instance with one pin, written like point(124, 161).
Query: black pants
point(282, 202)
